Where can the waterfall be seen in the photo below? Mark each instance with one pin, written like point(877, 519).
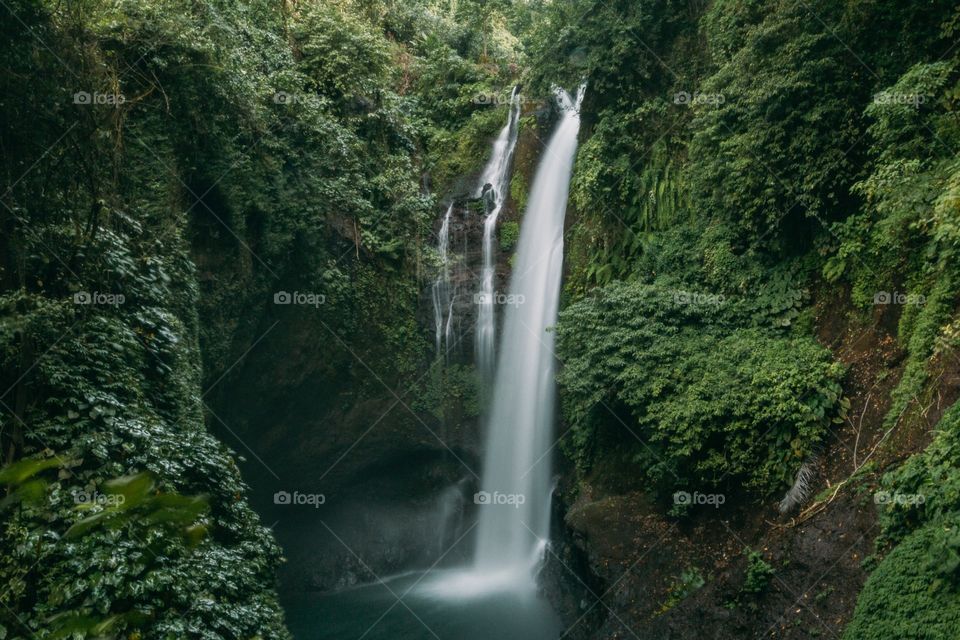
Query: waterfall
point(514, 501)
point(441, 286)
point(496, 174)
point(448, 331)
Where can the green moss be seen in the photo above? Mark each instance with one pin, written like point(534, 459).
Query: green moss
point(689, 582)
point(904, 598)
point(519, 190)
point(449, 393)
point(463, 151)
point(714, 402)
point(509, 234)
point(758, 574)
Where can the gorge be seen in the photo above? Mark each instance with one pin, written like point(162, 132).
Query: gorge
point(331, 319)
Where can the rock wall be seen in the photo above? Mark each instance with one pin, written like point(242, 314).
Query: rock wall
point(382, 446)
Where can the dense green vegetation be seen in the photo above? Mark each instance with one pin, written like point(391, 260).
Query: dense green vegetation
point(901, 601)
point(913, 591)
point(710, 398)
point(169, 166)
point(739, 156)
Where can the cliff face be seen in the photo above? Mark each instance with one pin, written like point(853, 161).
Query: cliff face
point(744, 191)
point(124, 515)
point(212, 224)
point(622, 567)
point(394, 449)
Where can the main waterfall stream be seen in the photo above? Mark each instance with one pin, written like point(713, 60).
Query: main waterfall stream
point(495, 596)
point(515, 498)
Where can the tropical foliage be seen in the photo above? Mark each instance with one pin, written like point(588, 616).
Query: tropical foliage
point(168, 167)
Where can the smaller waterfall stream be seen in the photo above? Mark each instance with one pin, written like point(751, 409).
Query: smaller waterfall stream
point(442, 300)
point(497, 175)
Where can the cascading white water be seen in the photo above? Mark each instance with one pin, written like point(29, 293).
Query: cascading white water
point(496, 174)
point(441, 286)
point(514, 501)
point(514, 521)
point(496, 596)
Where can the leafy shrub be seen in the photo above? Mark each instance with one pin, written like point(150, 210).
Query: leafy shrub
point(711, 402)
point(509, 234)
point(905, 238)
point(789, 110)
point(930, 482)
point(116, 396)
point(758, 574)
point(904, 597)
point(346, 59)
point(913, 591)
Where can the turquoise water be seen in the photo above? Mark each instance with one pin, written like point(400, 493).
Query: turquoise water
point(373, 613)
